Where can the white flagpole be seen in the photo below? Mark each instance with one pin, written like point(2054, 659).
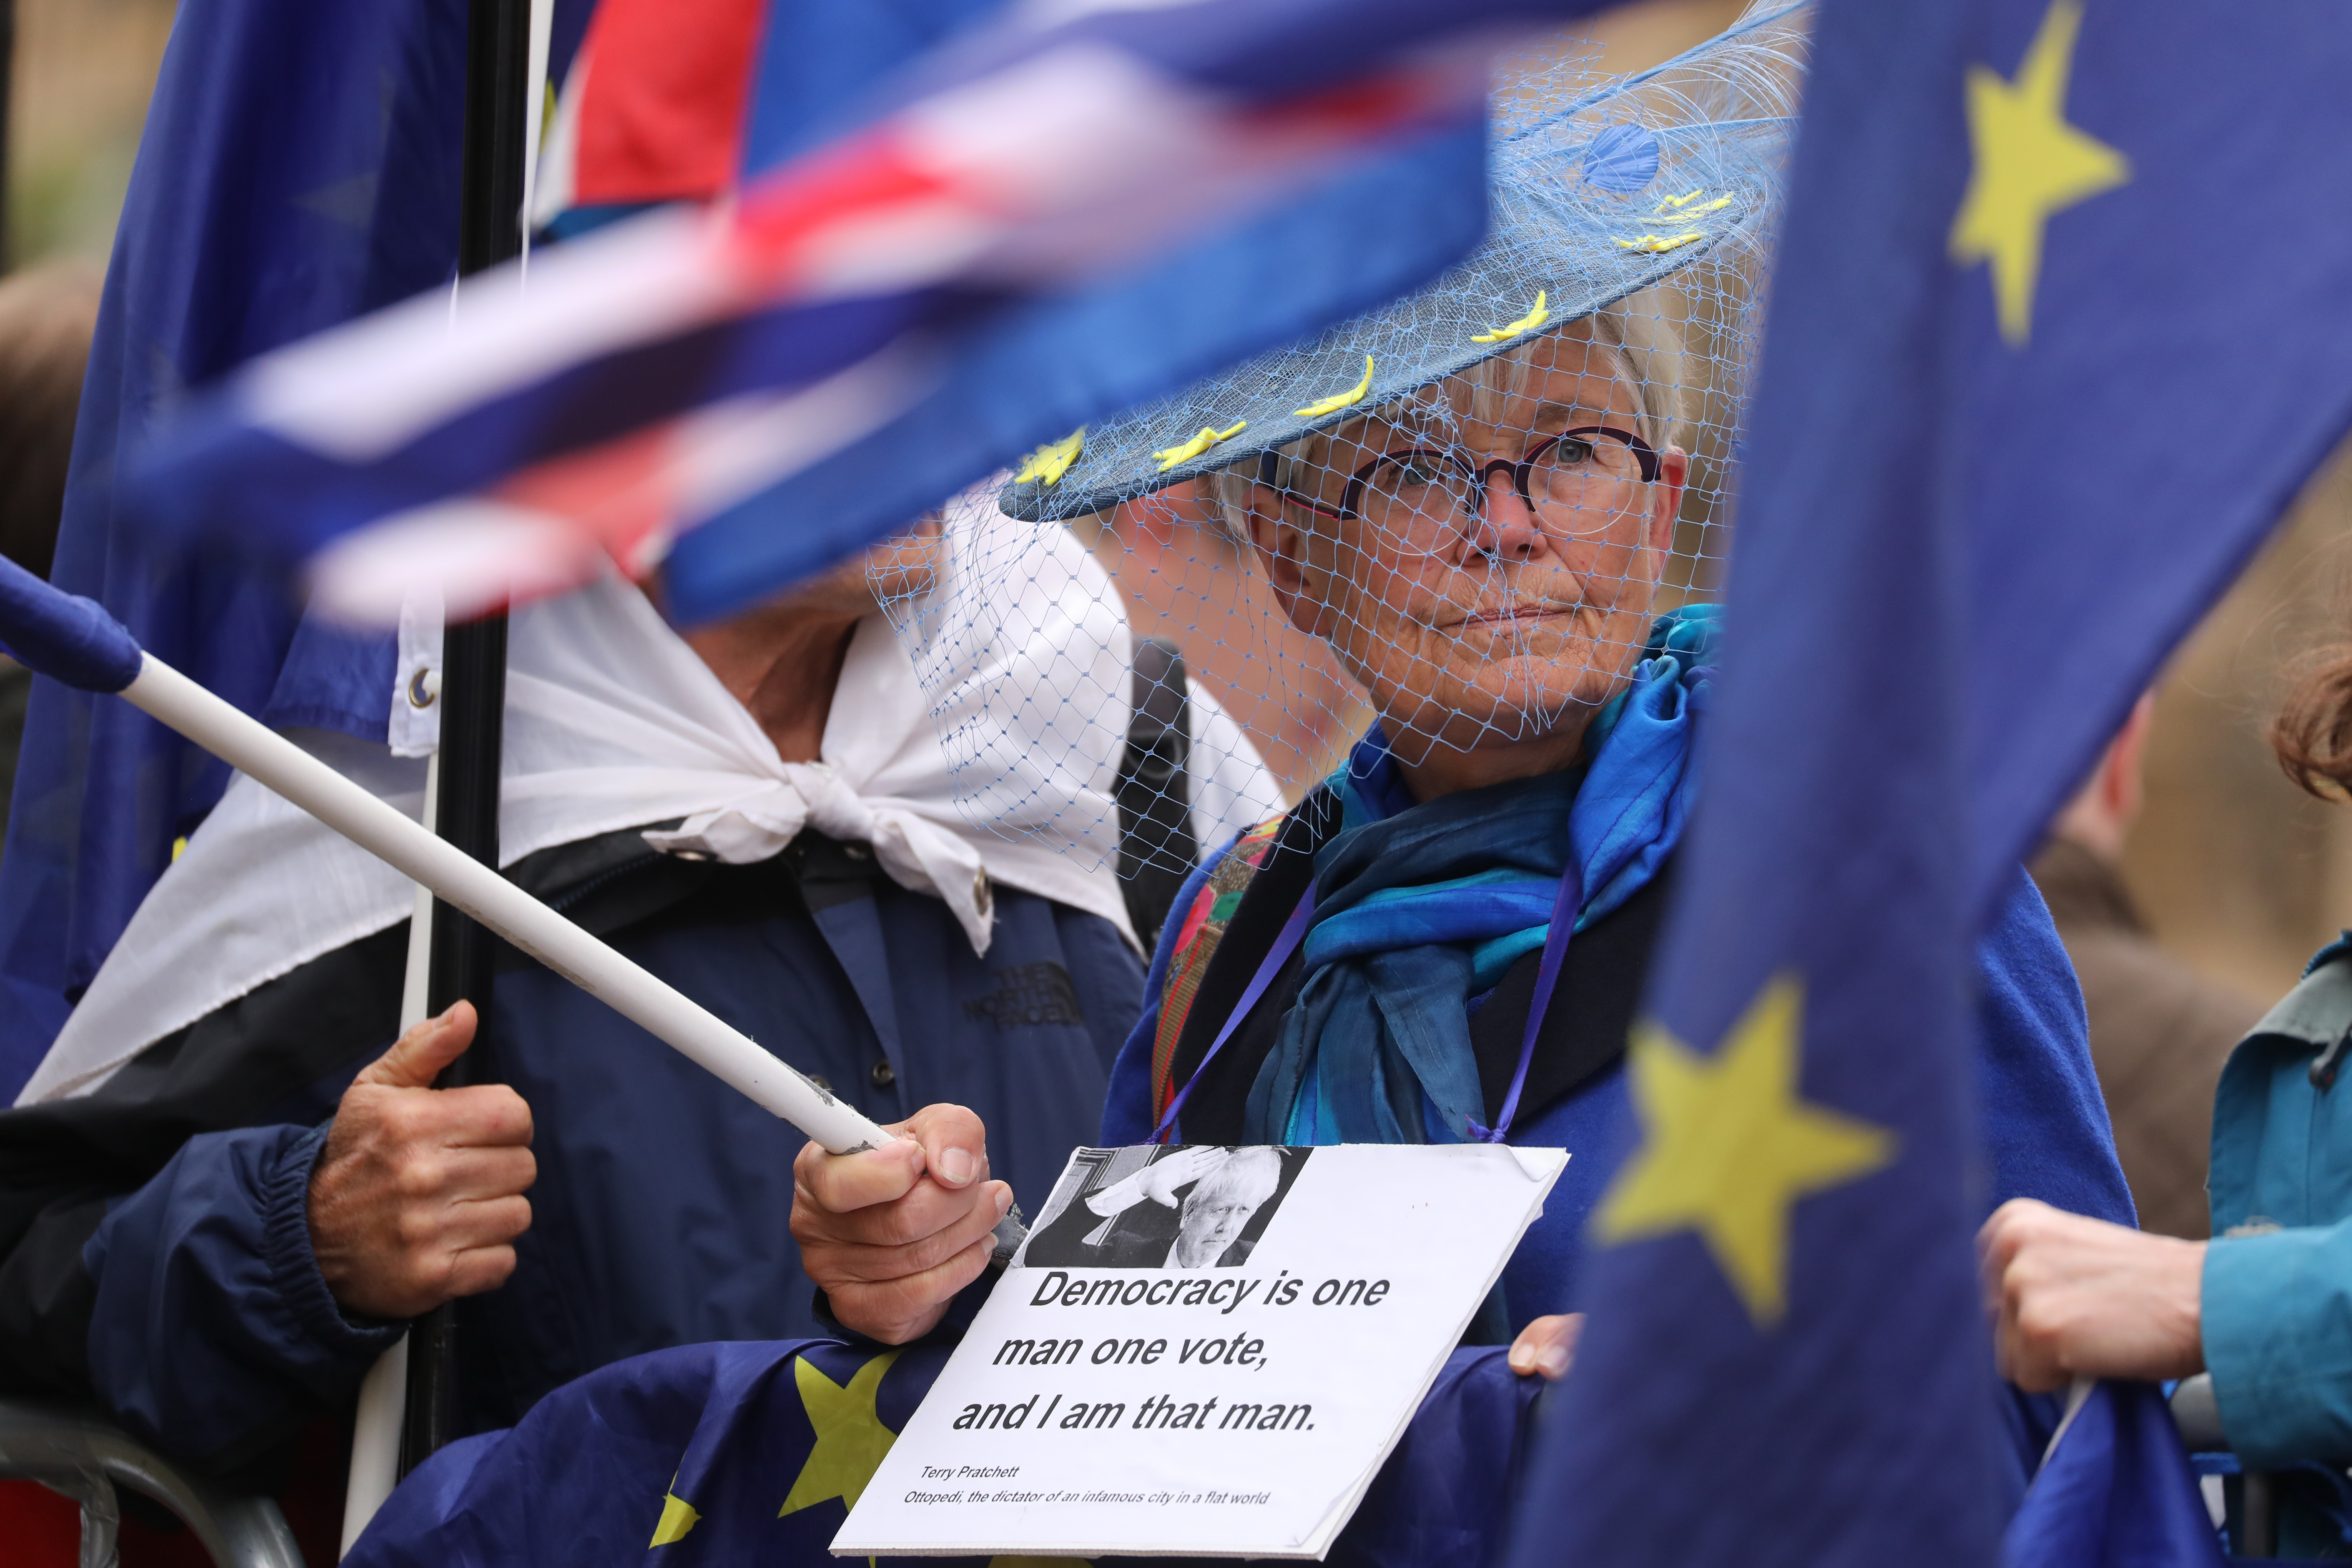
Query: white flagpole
point(74, 641)
point(457, 879)
point(543, 29)
point(383, 1394)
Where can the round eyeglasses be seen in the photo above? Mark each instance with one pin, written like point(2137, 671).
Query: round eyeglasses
point(1577, 479)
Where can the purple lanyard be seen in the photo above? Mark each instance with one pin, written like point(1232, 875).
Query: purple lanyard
point(1564, 907)
point(1294, 930)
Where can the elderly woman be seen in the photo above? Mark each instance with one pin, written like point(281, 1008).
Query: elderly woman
point(1386, 963)
point(1447, 940)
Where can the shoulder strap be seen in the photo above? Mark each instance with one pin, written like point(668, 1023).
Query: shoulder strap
point(1156, 848)
point(1199, 929)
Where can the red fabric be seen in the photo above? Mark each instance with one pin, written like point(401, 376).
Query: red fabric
point(662, 106)
point(623, 493)
point(38, 1528)
point(867, 177)
point(42, 1528)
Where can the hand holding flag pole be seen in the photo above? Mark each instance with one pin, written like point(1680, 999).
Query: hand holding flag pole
point(73, 640)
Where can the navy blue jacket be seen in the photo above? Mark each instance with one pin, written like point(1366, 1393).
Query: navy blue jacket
point(2046, 1130)
point(154, 1250)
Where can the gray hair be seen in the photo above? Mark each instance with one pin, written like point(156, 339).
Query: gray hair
point(1251, 1173)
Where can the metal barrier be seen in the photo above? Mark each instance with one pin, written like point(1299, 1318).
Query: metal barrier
point(2199, 1415)
point(84, 1456)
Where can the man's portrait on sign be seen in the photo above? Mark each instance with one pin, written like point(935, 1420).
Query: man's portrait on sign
point(1186, 1206)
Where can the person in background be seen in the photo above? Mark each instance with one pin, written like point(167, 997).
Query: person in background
point(2266, 1306)
point(2159, 1032)
point(221, 1196)
point(47, 318)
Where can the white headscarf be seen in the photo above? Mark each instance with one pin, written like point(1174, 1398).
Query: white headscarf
point(613, 722)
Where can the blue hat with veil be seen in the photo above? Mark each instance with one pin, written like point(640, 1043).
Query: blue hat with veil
point(1599, 192)
point(1644, 207)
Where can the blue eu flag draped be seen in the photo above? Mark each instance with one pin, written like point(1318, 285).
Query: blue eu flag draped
point(299, 166)
point(731, 1453)
point(2056, 334)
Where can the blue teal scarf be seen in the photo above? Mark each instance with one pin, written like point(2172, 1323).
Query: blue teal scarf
point(1419, 908)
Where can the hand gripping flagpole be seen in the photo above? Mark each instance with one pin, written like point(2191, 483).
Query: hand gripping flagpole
point(73, 640)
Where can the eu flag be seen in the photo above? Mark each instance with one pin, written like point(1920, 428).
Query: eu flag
point(2063, 319)
point(299, 166)
point(725, 1454)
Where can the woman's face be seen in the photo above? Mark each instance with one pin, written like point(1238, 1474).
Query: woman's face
point(1469, 612)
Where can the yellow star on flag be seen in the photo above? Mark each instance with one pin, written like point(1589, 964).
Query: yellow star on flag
point(850, 1437)
point(1728, 1147)
point(678, 1517)
point(2030, 166)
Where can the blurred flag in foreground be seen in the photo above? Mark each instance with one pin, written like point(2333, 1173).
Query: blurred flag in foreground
point(673, 368)
point(2057, 331)
point(668, 100)
point(301, 167)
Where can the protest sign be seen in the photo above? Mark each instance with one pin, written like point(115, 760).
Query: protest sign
point(1203, 1351)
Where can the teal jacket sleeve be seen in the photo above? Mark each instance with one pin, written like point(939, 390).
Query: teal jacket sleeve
point(2278, 1341)
point(2277, 1286)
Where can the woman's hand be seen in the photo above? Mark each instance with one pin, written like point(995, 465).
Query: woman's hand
point(892, 1234)
point(1546, 1345)
point(2081, 1297)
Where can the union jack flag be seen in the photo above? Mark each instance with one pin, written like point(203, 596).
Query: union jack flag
point(1071, 208)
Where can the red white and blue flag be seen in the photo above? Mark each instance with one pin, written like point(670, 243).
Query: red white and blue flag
point(1063, 212)
point(652, 108)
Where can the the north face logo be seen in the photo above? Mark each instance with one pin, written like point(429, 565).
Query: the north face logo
point(1029, 994)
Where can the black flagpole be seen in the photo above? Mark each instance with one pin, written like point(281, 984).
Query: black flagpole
point(473, 655)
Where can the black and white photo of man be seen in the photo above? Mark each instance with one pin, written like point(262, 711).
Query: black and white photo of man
point(1200, 1206)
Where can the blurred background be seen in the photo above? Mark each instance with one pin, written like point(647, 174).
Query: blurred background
point(77, 95)
point(2237, 872)
point(2240, 873)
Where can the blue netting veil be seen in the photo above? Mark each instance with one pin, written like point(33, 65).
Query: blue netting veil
point(1459, 513)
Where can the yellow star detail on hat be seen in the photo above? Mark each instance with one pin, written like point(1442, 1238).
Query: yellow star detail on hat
point(1728, 1147)
point(1170, 455)
point(850, 1437)
point(1052, 460)
point(2030, 166)
point(1338, 400)
point(1536, 316)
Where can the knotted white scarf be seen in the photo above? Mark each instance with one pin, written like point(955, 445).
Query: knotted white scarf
point(613, 723)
